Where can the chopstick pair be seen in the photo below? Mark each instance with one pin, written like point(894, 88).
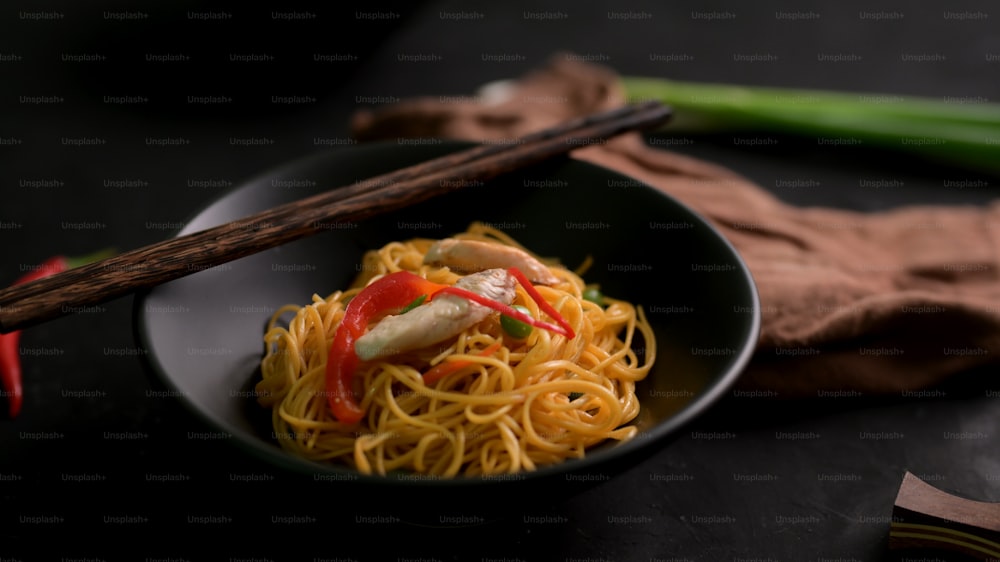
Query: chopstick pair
point(148, 266)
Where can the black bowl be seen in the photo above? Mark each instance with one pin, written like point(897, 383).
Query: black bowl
point(203, 333)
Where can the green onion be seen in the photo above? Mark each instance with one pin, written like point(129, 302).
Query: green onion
point(960, 134)
point(593, 294)
point(514, 327)
point(413, 304)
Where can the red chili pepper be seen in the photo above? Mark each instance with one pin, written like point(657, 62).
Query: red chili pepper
point(388, 295)
point(563, 328)
point(10, 353)
point(10, 371)
point(542, 304)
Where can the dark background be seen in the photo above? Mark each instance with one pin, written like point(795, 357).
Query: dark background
point(118, 121)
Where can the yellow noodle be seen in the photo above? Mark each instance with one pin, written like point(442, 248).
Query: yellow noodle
point(534, 402)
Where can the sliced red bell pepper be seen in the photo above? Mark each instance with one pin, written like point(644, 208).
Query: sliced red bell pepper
point(10, 353)
point(389, 295)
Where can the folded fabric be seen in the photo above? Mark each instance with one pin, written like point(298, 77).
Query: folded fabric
point(851, 303)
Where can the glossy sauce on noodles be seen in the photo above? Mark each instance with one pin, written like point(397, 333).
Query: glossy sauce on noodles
point(533, 401)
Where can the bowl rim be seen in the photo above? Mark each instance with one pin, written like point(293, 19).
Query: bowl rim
point(276, 456)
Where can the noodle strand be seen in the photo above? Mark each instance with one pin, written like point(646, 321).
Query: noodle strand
point(533, 402)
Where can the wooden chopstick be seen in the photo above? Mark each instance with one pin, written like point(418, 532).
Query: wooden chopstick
point(925, 517)
point(148, 266)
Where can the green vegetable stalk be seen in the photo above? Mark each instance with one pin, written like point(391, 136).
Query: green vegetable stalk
point(960, 134)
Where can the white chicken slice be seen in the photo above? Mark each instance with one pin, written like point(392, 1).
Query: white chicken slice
point(465, 256)
point(444, 317)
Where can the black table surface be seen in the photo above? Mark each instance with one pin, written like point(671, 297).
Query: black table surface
point(121, 120)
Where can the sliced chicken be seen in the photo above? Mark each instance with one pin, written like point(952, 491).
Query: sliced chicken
point(465, 256)
point(444, 317)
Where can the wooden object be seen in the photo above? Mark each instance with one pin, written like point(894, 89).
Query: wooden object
point(926, 517)
point(44, 299)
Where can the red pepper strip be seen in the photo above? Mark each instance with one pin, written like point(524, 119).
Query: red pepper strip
point(10, 353)
point(563, 328)
point(383, 296)
point(503, 309)
point(390, 294)
point(446, 367)
point(542, 303)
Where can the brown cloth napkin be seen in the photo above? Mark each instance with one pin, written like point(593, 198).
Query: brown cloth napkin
point(851, 303)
